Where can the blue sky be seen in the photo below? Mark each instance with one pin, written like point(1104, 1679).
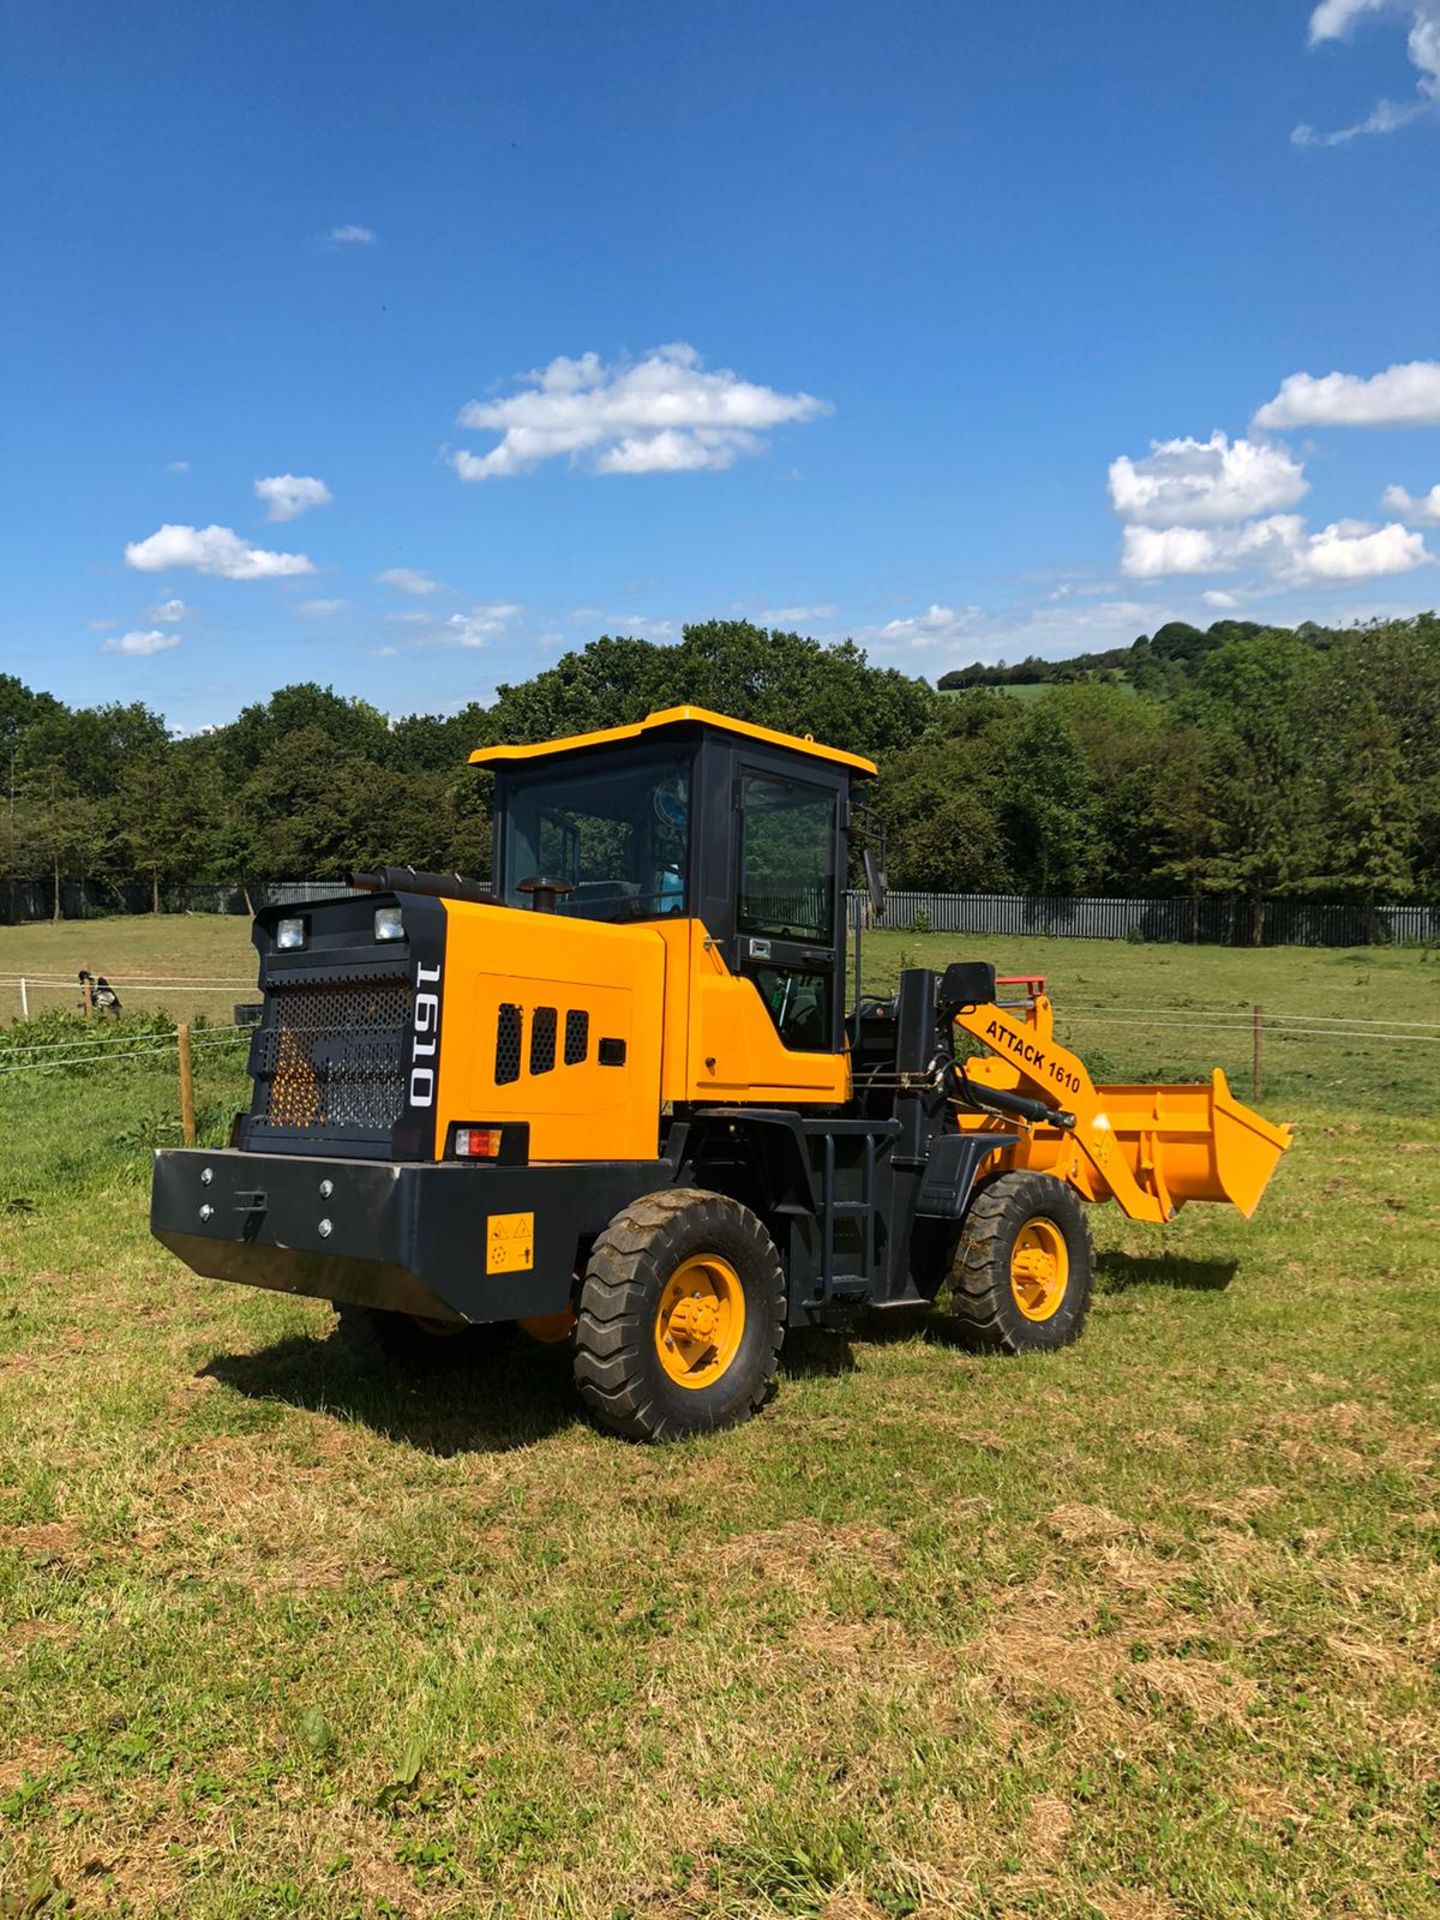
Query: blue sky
point(840, 316)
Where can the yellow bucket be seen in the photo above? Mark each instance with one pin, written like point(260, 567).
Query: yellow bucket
point(1195, 1142)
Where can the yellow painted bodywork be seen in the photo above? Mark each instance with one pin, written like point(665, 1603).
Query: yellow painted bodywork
point(721, 1044)
point(692, 1031)
point(673, 717)
point(1150, 1148)
point(496, 955)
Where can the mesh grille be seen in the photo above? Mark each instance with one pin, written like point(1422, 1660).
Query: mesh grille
point(335, 1056)
point(507, 1044)
point(577, 1036)
point(542, 1040)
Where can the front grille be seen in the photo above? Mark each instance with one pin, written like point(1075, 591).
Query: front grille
point(332, 1053)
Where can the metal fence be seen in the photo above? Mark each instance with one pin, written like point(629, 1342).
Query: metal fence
point(1201, 922)
point(22, 900)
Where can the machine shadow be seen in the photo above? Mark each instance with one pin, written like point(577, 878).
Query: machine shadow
point(826, 1352)
point(1119, 1272)
point(816, 1353)
point(487, 1403)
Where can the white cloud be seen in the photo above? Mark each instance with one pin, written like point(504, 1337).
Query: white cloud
point(1200, 483)
point(1279, 545)
point(1401, 396)
point(101, 626)
point(483, 623)
point(138, 646)
point(793, 616)
point(352, 236)
point(170, 611)
point(178, 466)
point(1220, 601)
point(1333, 19)
point(288, 495)
point(384, 653)
point(216, 550)
point(1351, 550)
point(322, 609)
point(955, 635)
point(1157, 553)
point(407, 580)
point(662, 414)
point(1426, 508)
point(937, 626)
point(641, 625)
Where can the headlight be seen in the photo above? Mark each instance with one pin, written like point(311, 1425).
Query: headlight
point(389, 924)
point(289, 935)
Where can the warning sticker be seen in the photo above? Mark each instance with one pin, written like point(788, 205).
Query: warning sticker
point(510, 1243)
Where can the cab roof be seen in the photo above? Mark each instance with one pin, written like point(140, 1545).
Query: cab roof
point(659, 723)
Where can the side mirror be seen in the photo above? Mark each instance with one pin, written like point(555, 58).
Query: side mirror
point(967, 983)
point(874, 881)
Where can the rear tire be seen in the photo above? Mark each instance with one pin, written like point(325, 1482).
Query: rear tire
point(400, 1340)
point(682, 1316)
point(1022, 1274)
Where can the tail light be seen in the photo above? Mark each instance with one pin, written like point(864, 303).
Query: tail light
point(477, 1143)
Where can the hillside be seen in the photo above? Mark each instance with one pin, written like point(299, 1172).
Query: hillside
point(1162, 663)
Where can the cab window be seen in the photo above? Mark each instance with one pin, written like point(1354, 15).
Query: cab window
point(799, 1002)
point(619, 836)
point(787, 859)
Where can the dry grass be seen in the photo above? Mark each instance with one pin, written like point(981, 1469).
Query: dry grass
point(1146, 1632)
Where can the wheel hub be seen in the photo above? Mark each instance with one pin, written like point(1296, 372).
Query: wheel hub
point(700, 1320)
point(1039, 1269)
point(694, 1319)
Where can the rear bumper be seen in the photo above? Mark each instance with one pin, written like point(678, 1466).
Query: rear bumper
point(452, 1242)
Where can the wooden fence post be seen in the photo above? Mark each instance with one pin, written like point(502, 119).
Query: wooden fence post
point(24, 999)
point(87, 998)
point(187, 1085)
point(1256, 1081)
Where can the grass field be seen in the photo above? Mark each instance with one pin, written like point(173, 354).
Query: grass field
point(1148, 1630)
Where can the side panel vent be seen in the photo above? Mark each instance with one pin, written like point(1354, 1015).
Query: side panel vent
point(542, 1040)
point(577, 1036)
point(507, 1044)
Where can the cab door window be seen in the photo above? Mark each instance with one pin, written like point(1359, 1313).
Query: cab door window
point(787, 859)
point(785, 906)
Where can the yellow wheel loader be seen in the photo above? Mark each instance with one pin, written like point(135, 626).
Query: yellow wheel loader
point(619, 1098)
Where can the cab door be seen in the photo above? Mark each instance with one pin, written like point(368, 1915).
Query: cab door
point(788, 904)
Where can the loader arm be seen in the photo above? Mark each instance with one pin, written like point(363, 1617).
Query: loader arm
point(1150, 1148)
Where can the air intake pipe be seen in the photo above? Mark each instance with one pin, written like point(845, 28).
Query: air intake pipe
point(440, 886)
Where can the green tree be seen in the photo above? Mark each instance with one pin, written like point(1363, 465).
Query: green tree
point(1257, 702)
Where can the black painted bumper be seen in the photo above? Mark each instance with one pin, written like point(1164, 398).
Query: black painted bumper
point(471, 1243)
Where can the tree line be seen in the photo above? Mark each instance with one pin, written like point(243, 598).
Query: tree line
point(1247, 762)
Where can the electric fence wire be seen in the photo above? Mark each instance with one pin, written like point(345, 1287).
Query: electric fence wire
point(1272, 1031)
point(1245, 1015)
point(86, 1043)
point(105, 1056)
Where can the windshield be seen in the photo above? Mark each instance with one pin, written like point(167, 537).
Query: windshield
point(619, 837)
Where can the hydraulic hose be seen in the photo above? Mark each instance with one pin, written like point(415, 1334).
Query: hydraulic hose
point(1000, 1100)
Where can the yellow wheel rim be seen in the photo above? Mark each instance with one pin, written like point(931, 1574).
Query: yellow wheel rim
point(1039, 1269)
point(700, 1320)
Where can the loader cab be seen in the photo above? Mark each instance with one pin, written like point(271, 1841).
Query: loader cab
point(692, 815)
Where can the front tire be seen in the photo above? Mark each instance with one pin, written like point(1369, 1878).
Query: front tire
point(1023, 1268)
point(681, 1317)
